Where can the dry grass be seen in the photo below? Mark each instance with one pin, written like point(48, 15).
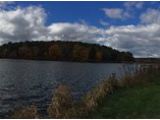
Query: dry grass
point(26, 113)
point(139, 77)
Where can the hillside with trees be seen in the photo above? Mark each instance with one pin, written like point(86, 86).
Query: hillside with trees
point(63, 51)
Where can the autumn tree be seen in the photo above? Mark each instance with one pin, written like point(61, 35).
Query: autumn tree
point(80, 53)
point(55, 52)
point(98, 56)
point(25, 52)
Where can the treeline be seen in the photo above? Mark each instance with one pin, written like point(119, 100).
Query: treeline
point(63, 51)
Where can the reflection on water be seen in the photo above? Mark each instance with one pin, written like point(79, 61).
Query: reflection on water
point(25, 82)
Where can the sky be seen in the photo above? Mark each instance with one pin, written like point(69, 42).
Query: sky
point(126, 26)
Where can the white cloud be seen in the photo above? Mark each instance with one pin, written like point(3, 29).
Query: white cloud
point(74, 32)
point(151, 16)
point(29, 24)
point(22, 24)
point(141, 40)
point(104, 23)
point(115, 13)
point(3, 4)
point(134, 4)
point(123, 13)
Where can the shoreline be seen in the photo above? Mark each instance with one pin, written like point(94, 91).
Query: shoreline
point(131, 62)
point(62, 105)
point(80, 61)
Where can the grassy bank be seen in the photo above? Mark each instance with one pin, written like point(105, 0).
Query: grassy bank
point(133, 96)
point(141, 101)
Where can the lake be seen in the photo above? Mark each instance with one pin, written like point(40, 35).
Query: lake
point(26, 82)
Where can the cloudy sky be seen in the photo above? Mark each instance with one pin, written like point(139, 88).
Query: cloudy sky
point(126, 26)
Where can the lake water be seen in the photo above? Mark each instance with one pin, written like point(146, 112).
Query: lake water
point(26, 82)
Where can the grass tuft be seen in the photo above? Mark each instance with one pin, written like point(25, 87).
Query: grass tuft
point(61, 104)
point(93, 97)
point(26, 113)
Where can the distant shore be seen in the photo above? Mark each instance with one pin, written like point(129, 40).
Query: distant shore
point(139, 61)
point(127, 62)
point(147, 60)
point(63, 51)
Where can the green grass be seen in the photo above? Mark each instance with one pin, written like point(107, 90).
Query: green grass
point(141, 101)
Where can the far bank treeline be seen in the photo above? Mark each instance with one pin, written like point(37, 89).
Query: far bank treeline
point(63, 51)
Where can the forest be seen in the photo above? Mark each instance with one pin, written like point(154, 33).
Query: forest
point(63, 51)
